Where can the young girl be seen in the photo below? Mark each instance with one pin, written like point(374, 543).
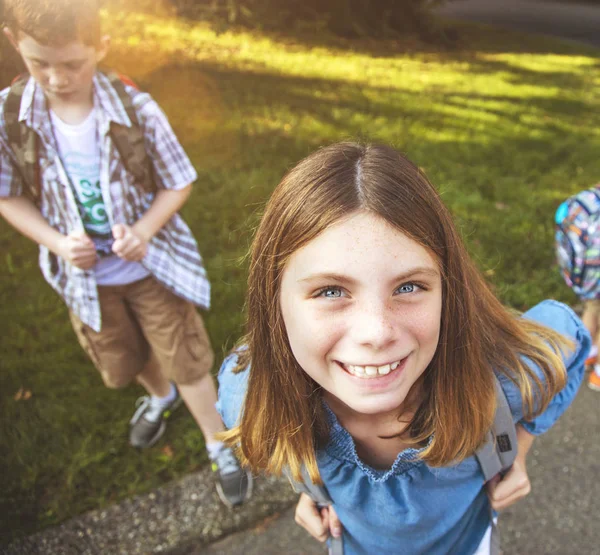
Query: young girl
point(373, 343)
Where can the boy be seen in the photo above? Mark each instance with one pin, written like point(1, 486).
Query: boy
point(114, 248)
point(577, 243)
point(591, 320)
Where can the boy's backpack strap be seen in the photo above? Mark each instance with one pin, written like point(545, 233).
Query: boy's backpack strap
point(320, 496)
point(500, 448)
point(129, 141)
point(23, 141)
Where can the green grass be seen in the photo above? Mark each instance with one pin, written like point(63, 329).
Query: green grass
point(506, 125)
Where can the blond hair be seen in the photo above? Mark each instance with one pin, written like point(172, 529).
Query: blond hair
point(283, 419)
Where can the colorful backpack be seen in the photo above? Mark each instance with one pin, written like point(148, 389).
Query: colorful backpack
point(24, 141)
point(577, 242)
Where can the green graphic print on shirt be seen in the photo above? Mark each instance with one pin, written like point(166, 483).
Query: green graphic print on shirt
point(84, 171)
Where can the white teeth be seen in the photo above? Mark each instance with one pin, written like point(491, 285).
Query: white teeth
point(358, 370)
point(370, 371)
point(385, 369)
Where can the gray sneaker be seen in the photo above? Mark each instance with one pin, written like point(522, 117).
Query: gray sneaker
point(233, 483)
point(148, 423)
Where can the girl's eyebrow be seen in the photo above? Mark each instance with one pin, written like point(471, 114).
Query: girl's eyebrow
point(340, 278)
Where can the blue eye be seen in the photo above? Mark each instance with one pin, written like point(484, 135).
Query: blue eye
point(407, 288)
point(330, 292)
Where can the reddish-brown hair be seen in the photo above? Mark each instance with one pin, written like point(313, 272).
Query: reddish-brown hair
point(283, 419)
point(54, 22)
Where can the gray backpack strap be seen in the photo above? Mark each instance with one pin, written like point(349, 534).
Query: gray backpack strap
point(320, 496)
point(499, 452)
point(129, 141)
point(500, 449)
point(23, 142)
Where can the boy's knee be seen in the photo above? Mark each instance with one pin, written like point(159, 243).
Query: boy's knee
point(115, 381)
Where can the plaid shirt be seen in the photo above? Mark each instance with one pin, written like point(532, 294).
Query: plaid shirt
point(172, 258)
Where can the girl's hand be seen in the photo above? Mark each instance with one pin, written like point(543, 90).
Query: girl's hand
point(319, 523)
point(128, 245)
point(504, 491)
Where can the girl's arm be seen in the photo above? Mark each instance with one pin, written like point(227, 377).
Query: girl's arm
point(505, 490)
point(319, 523)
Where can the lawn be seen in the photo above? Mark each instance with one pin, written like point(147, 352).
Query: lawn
point(506, 125)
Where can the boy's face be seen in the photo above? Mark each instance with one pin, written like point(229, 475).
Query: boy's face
point(64, 72)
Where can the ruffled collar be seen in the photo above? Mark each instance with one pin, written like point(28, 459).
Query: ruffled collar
point(341, 446)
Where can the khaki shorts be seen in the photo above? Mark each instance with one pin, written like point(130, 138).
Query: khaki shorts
point(142, 320)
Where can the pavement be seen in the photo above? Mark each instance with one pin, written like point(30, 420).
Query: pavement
point(186, 517)
point(568, 20)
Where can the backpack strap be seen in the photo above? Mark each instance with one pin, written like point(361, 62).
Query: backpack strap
point(23, 141)
point(320, 496)
point(500, 449)
point(498, 453)
point(495, 456)
point(129, 141)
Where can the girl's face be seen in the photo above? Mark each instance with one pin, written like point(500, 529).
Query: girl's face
point(362, 305)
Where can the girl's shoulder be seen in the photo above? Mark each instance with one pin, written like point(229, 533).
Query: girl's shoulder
point(560, 318)
point(557, 316)
point(232, 389)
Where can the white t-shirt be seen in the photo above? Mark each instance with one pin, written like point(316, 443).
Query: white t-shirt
point(79, 148)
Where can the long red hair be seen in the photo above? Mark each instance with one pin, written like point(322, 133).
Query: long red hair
point(283, 419)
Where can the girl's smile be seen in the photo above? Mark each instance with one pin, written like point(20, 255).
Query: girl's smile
point(371, 370)
point(361, 305)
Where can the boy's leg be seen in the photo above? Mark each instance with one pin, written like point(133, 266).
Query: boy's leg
point(200, 397)
point(121, 354)
point(594, 378)
point(119, 350)
point(590, 319)
point(153, 380)
point(180, 344)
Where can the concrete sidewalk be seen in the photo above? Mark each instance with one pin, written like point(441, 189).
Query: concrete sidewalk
point(178, 518)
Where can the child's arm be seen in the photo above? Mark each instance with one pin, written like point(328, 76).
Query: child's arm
point(505, 490)
point(131, 243)
point(319, 523)
point(76, 248)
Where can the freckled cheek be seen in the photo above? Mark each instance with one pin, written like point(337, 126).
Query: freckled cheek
point(311, 334)
point(426, 325)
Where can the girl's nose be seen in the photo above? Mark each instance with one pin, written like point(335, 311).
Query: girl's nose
point(374, 325)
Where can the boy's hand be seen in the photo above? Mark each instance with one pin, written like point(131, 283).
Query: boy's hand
point(504, 491)
point(128, 245)
point(319, 523)
point(78, 249)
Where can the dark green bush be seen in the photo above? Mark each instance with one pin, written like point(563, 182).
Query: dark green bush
point(347, 18)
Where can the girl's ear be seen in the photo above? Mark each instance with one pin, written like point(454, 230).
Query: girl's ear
point(11, 38)
point(102, 49)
